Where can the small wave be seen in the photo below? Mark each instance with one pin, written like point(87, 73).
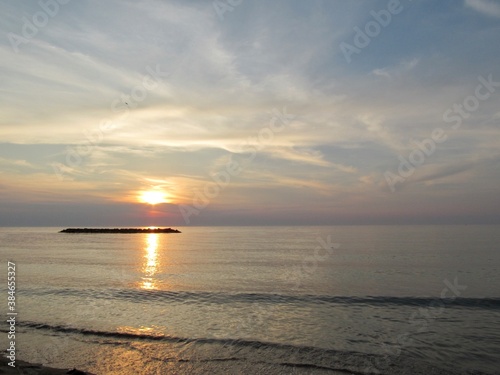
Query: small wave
point(255, 352)
point(161, 337)
point(149, 337)
point(141, 296)
point(113, 334)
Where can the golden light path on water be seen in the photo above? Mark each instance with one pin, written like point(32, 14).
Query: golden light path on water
point(150, 268)
point(151, 263)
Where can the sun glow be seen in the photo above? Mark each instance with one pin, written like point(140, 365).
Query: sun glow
point(153, 197)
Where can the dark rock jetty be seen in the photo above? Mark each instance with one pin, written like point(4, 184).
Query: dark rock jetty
point(119, 230)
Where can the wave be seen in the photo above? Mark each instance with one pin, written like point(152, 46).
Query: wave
point(112, 334)
point(253, 351)
point(224, 342)
point(141, 296)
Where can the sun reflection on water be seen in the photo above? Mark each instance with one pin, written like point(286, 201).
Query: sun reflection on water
point(151, 263)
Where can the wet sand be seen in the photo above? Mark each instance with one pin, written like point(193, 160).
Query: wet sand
point(177, 368)
point(35, 369)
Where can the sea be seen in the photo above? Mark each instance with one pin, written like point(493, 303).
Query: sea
point(257, 300)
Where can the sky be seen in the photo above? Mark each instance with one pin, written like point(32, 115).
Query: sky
point(249, 112)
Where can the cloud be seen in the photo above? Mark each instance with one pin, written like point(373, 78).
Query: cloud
point(398, 70)
point(16, 163)
point(486, 7)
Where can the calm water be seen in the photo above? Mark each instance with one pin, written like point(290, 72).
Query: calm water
point(250, 300)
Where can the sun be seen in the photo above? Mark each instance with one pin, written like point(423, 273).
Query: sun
point(153, 197)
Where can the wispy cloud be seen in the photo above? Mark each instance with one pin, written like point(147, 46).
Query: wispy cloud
point(487, 7)
point(398, 70)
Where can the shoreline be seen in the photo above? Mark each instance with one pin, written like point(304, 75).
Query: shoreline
point(180, 367)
